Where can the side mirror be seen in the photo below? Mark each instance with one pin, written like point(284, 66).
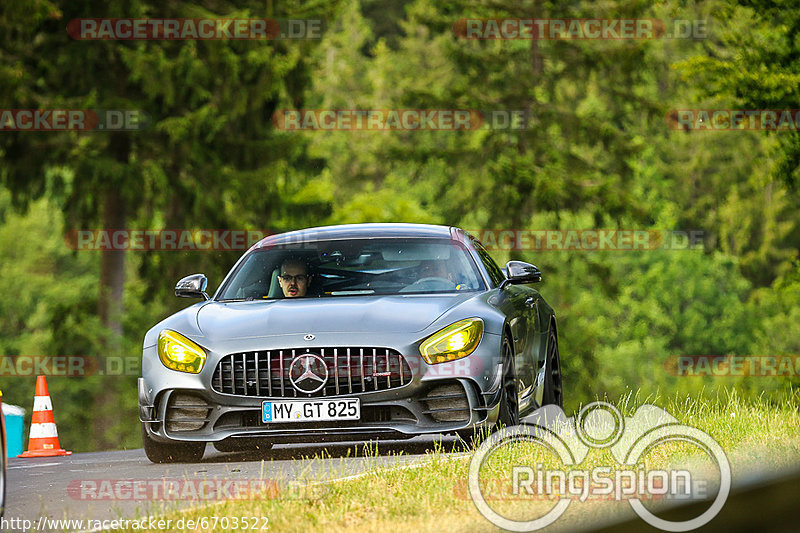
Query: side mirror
point(193, 286)
point(520, 272)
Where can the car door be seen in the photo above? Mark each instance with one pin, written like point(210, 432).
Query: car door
point(523, 322)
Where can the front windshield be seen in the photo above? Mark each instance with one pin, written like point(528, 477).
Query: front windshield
point(354, 267)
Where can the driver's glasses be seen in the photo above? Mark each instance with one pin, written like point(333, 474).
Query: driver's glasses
point(299, 278)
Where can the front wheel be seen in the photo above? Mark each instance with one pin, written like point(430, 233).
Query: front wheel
point(179, 452)
point(509, 402)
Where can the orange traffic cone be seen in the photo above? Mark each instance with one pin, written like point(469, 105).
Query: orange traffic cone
point(43, 439)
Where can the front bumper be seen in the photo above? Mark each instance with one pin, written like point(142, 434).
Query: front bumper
point(450, 406)
point(444, 398)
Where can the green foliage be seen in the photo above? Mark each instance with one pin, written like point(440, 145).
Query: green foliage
point(599, 153)
point(657, 311)
point(753, 61)
point(778, 312)
point(49, 311)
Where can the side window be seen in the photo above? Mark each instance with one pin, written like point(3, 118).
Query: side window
point(495, 274)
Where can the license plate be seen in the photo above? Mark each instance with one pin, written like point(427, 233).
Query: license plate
point(310, 410)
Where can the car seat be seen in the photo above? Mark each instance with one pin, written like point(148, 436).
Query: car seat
point(275, 287)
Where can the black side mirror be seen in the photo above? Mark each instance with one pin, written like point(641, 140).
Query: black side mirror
point(193, 286)
point(519, 272)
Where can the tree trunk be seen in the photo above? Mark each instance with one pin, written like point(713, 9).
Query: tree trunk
point(112, 267)
point(521, 216)
point(110, 305)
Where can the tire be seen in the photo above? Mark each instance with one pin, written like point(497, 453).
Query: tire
point(509, 402)
point(179, 452)
point(243, 445)
point(553, 393)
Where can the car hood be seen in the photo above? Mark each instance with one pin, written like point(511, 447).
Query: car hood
point(390, 314)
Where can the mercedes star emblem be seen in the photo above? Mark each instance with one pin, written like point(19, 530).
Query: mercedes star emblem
point(308, 373)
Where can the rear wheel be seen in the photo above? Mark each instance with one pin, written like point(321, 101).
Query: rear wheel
point(553, 394)
point(167, 452)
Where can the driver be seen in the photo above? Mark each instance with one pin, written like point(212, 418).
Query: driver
point(433, 269)
point(294, 278)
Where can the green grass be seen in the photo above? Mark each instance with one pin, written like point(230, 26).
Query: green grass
point(757, 435)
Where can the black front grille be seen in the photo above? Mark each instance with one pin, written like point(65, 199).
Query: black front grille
point(350, 371)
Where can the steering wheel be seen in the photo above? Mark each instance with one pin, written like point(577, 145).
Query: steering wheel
point(430, 283)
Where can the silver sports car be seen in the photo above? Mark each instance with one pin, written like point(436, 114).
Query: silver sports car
point(349, 333)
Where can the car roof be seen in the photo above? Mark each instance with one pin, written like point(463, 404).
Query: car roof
point(357, 231)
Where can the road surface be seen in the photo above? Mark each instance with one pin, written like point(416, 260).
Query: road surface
point(100, 485)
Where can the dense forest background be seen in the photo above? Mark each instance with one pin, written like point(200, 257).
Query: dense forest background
point(599, 153)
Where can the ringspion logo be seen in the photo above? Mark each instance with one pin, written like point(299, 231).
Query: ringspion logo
point(599, 425)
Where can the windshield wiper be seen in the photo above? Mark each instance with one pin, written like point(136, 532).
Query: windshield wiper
point(349, 293)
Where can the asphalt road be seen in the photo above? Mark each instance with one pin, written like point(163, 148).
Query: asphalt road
point(125, 484)
point(100, 485)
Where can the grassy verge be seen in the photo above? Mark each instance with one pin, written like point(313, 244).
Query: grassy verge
point(756, 436)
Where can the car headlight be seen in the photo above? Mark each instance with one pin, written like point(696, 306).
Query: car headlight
point(453, 342)
point(179, 353)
